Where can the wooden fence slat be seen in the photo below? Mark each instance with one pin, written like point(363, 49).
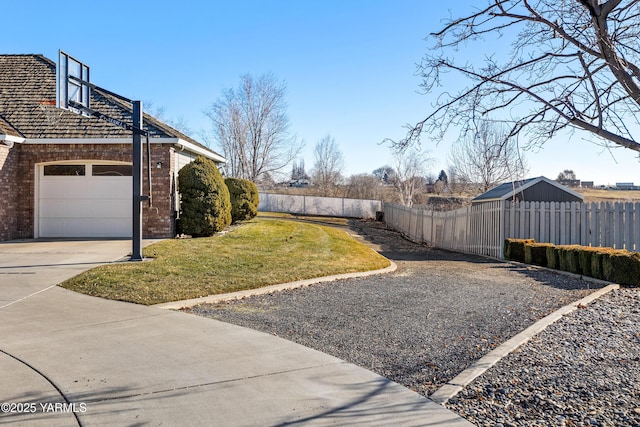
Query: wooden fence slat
point(636, 225)
point(481, 229)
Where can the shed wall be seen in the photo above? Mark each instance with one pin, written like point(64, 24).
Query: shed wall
point(544, 192)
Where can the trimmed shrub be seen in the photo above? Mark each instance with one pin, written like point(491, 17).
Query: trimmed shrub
point(597, 260)
point(585, 257)
point(536, 253)
point(244, 199)
point(553, 257)
point(205, 205)
point(622, 267)
point(562, 258)
point(618, 266)
point(568, 258)
point(573, 259)
point(514, 248)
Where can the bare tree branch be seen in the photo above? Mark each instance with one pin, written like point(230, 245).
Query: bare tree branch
point(573, 65)
point(251, 127)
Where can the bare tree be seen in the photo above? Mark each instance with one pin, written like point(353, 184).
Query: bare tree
point(566, 175)
point(573, 64)
point(457, 183)
point(487, 157)
point(328, 166)
point(180, 124)
point(251, 127)
point(384, 174)
point(410, 167)
point(363, 186)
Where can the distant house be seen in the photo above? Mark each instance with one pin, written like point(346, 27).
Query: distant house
point(569, 182)
point(625, 186)
point(539, 189)
point(68, 176)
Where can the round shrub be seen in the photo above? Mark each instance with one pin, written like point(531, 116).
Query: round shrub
point(205, 205)
point(244, 199)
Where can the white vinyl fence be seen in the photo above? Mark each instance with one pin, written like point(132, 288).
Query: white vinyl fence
point(481, 229)
point(322, 206)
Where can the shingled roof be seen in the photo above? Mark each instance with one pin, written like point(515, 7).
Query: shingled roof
point(7, 129)
point(510, 190)
point(27, 106)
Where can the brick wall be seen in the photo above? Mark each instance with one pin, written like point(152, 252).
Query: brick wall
point(8, 199)
point(158, 221)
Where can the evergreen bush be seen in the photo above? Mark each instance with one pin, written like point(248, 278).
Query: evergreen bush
point(553, 257)
point(205, 205)
point(514, 248)
point(244, 199)
point(536, 253)
point(573, 259)
point(614, 265)
point(597, 260)
point(622, 267)
point(568, 259)
point(586, 260)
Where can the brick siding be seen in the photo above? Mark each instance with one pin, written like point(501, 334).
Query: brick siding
point(8, 193)
point(158, 221)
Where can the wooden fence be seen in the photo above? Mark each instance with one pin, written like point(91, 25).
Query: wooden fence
point(481, 229)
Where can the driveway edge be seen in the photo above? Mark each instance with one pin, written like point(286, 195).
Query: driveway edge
point(212, 299)
point(454, 386)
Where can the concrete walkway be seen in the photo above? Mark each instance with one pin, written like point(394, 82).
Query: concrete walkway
point(68, 359)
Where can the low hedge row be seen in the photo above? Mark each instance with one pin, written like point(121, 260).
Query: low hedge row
point(614, 265)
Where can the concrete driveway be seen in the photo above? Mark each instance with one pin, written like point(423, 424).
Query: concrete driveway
point(28, 267)
point(69, 359)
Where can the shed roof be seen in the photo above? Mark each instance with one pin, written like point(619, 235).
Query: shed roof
point(27, 105)
point(510, 189)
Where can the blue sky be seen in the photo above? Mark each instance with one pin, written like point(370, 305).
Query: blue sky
point(349, 67)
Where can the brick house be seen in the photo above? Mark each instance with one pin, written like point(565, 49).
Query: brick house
point(63, 175)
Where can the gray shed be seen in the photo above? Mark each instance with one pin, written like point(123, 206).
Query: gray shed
point(539, 189)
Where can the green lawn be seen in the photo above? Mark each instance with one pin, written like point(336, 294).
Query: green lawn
point(261, 252)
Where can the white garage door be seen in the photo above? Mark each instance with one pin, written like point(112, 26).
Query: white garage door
point(85, 200)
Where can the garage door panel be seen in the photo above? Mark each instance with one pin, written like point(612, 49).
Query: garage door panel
point(65, 187)
point(85, 228)
point(84, 206)
point(109, 228)
point(102, 186)
point(53, 208)
point(112, 208)
point(51, 227)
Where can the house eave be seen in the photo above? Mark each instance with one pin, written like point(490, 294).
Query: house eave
point(494, 199)
point(188, 146)
point(178, 142)
point(9, 140)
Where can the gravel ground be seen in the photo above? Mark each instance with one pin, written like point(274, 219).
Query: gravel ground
point(583, 370)
point(420, 326)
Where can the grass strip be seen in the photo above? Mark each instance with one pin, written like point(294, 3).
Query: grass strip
point(261, 252)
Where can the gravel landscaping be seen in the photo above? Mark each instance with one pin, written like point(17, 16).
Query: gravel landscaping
point(438, 313)
point(583, 370)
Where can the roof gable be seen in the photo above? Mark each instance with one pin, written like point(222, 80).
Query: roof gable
point(27, 105)
point(510, 189)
